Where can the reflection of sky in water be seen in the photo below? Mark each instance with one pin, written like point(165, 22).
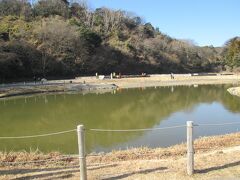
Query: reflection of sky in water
point(203, 113)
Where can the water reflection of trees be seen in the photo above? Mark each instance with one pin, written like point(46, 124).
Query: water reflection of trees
point(128, 109)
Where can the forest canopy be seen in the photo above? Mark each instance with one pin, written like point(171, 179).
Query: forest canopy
point(55, 38)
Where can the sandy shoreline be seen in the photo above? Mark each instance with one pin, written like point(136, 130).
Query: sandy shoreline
point(89, 84)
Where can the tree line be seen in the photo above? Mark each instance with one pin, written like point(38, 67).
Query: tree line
point(55, 38)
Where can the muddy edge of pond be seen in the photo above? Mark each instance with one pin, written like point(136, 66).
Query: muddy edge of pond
point(6, 92)
point(92, 84)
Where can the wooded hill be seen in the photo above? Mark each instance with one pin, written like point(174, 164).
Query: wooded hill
point(54, 38)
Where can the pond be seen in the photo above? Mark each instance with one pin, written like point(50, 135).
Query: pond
point(122, 109)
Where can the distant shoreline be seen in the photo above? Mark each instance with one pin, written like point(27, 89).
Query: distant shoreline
point(92, 84)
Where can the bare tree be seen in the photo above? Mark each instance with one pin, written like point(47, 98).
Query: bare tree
point(60, 40)
point(111, 19)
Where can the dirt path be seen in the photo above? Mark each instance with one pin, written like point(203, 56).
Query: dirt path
point(163, 80)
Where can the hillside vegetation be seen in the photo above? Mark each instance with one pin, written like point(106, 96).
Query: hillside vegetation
point(232, 53)
point(54, 38)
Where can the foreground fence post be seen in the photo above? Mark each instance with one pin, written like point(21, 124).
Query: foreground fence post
point(190, 150)
point(81, 149)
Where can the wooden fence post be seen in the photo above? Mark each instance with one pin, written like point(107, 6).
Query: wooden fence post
point(81, 148)
point(190, 149)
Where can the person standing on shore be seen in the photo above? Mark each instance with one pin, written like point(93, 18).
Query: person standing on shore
point(35, 79)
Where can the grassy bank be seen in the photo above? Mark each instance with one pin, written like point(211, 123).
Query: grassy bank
point(215, 157)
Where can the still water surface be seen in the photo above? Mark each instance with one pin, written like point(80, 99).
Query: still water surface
point(125, 109)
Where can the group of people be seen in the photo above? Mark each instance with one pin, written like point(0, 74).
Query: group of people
point(112, 75)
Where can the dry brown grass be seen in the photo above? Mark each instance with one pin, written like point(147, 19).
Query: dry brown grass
point(215, 157)
point(26, 156)
point(204, 144)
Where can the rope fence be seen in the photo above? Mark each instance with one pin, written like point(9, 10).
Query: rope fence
point(218, 124)
point(36, 136)
point(81, 144)
point(135, 130)
point(112, 130)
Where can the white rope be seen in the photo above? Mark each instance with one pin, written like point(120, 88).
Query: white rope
point(39, 135)
point(134, 130)
point(218, 124)
point(113, 130)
